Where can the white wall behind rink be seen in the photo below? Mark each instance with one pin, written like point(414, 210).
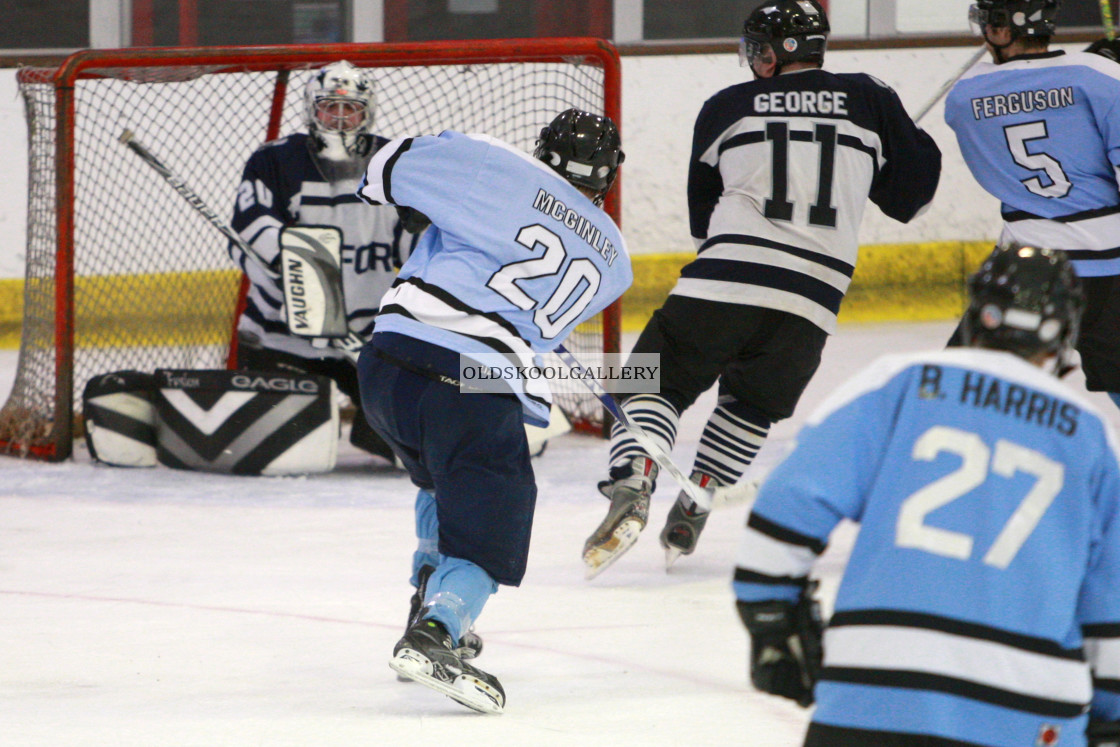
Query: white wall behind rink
point(661, 97)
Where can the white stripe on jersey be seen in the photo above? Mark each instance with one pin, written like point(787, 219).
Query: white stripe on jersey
point(426, 308)
point(779, 258)
point(1015, 670)
point(1104, 656)
point(728, 291)
point(1097, 233)
point(267, 245)
point(761, 553)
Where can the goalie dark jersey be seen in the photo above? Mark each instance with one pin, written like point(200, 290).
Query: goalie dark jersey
point(282, 185)
point(779, 175)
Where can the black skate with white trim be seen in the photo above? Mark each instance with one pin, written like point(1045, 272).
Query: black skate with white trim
point(427, 654)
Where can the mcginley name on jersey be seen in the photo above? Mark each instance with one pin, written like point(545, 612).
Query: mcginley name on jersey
point(583, 228)
point(1017, 102)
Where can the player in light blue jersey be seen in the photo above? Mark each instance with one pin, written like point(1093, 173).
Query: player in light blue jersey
point(1040, 130)
point(981, 601)
point(519, 252)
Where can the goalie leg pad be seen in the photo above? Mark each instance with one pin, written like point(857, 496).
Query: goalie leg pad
point(246, 422)
point(119, 418)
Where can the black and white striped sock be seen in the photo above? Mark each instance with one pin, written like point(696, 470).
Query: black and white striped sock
point(655, 415)
point(730, 441)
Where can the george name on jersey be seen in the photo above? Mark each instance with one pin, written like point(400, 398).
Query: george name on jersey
point(582, 227)
point(1020, 102)
point(801, 102)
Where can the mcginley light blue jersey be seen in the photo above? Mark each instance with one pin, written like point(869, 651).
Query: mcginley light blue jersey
point(985, 579)
point(1042, 134)
point(515, 257)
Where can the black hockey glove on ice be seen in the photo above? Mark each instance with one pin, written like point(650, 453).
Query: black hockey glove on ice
point(1106, 47)
point(786, 648)
point(1104, 733)
point(412, 220)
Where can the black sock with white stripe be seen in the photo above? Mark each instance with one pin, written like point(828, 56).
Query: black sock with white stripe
point(655, 415)
point(730, 441)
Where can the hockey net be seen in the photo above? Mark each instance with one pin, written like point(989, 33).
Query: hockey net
point(123, 274)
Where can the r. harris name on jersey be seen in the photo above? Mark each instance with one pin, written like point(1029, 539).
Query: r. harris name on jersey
point(986, 392)
point(582, 226)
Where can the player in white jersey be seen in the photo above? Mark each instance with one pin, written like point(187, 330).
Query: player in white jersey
point(781, 170)
point(519, 252)
point(980, 605)
point(309, 179)
point(1039, 130)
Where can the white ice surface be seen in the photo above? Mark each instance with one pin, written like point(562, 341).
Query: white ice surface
point(154, 607)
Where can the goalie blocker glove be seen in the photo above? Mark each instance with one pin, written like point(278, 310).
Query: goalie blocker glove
point(786, 650)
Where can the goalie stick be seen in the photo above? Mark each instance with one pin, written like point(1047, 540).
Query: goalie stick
point(723, 497)
point(128, 138)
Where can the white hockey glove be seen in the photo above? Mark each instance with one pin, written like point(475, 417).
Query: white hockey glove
point(786, 651)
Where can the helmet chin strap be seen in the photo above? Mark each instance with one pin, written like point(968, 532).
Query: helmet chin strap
point(998, 48)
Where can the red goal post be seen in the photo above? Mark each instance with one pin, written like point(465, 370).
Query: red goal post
point(123, 274)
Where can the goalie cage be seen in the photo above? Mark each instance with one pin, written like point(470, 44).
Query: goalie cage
point(122, 273)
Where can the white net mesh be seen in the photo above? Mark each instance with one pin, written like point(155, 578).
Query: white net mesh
point(153, 284)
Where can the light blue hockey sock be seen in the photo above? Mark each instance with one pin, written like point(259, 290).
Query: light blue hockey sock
point(1115, 397)
point(427, 535)
point(457, 592)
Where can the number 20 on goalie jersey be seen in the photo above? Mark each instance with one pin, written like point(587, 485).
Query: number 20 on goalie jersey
point(515, 257)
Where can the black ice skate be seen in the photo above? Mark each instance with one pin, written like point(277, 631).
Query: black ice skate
point(427, 655)
point(629, 490)
point(685, 522)
point(470, 644)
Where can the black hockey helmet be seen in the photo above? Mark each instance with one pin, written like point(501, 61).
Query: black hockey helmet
point(797, 31)
point(1024, 300)
point(1035, 18)
point(584, 148)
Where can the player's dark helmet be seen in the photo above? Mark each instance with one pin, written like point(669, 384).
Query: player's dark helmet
point(1024, 300)
point(584, 148)
point(1034, 18)
point(796, 30)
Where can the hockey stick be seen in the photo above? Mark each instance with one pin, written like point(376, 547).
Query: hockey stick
point(129, 139)
point(732, 495)
point(949, 83)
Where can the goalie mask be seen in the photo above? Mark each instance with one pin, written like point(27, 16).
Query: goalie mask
point(795, 30)
point(584, 148)
point(1026, 301)
point(1035, 18)
point(340, 104)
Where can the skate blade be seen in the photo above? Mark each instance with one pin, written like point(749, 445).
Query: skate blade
point(671, 555)
point(599, 558)
point(466, 690)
